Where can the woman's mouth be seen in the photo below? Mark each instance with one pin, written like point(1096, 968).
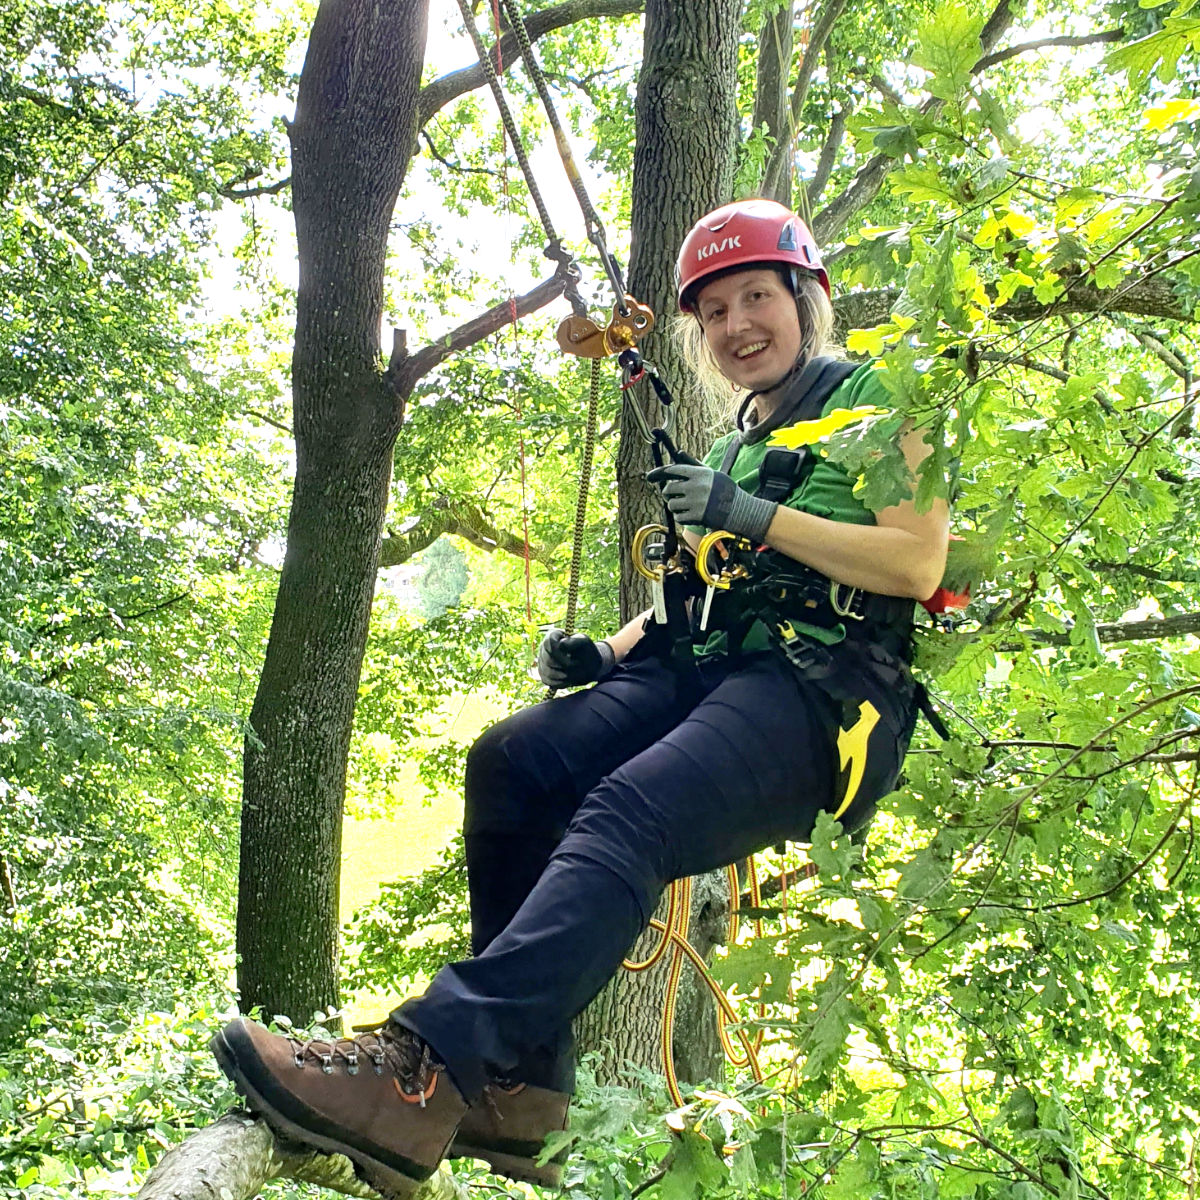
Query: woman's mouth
point(746, 351)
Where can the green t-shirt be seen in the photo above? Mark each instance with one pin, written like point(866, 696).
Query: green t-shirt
point(826, 490)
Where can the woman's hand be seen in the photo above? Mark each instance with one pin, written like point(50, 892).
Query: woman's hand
point(699, 495)
point(564, 661)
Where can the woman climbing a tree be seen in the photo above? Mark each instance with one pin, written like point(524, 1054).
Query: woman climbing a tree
point(796, 699)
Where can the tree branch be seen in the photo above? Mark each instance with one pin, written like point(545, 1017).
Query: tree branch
point(235, 1156)
point(230, 192)
point(1086, 39)
point(457, 168)
point(1151, 295)
point(1099, 564)
point(829, 148)
point(458, 519)
point(436, 95)
point(822, 28)
point(1179, 625)
point(405, 371)
point(770, 101)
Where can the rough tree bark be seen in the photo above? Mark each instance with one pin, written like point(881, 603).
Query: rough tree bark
point(686, 123)
point(352, 140)
point(234, 1157)
point(351, 144)
point(771, 101)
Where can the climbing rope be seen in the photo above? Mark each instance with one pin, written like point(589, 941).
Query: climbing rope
point(591, 218)
point(585, 480)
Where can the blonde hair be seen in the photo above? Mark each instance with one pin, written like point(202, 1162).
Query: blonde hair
point(720, 398)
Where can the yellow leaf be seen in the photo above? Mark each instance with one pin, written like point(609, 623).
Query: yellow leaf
point(989, 231)
point(1019, 223)
point(1162, 116)
point(866, 341)
point(808, 433)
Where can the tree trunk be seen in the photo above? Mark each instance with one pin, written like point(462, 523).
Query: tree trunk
point(686, 121)
point(683, 166)
point(351, 144)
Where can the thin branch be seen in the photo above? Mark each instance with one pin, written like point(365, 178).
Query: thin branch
point(459, 519)
point(267, 419)
point(436, 95)
point(1165, 354)
point(1033, 364)
point(1179, 625)
point(829, 148)
point(8, 886)
point(99, 164)
point(456, 168)
point(232, 192)
point(1147, 295)
point(405, 370)
point(1158, 576)
point(1086, 39)
point(867, 181)
point(170, 602)
point(886, 90)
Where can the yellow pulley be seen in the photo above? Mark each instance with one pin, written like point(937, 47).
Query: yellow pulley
point(581, 336)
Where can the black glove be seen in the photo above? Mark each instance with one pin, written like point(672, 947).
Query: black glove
point(698, 495)
point(564, 661)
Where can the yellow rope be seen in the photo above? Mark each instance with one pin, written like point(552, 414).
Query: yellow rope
point(674, 931)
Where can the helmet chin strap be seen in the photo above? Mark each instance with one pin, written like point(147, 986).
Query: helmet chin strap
point(800, 362)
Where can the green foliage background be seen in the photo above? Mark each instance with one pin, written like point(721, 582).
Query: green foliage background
point(998, 1000)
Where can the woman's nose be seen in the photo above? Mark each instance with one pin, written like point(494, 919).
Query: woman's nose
point(736, 319)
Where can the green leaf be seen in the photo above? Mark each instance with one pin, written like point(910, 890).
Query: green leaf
point(923, 184)
point(1158, 53)
point(948, 46)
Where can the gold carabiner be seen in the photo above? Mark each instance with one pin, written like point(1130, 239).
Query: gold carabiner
point(637, 553)
point(727, 574)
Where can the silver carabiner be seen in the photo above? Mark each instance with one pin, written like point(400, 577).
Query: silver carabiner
point(843, 608)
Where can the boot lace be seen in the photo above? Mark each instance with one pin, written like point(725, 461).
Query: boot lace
point(382, 1045)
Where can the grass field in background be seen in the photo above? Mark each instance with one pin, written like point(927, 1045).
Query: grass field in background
point(377, 850)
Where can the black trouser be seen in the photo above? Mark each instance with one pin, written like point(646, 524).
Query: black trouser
point(580, 810)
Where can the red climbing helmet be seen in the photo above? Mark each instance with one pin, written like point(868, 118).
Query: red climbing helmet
point(741, 233)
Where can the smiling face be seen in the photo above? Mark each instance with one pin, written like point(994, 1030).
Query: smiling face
point(751, 325)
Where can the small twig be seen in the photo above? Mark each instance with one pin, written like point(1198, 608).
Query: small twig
point(456, 168)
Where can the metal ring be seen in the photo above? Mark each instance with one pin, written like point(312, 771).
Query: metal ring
point(637, 552)
point(707, 543)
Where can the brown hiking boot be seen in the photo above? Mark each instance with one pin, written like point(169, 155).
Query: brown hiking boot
point(380, 1098)
point(508, 1130)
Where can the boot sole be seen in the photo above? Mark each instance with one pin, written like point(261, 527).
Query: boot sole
point(511, 1166)
point(384, 1179)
